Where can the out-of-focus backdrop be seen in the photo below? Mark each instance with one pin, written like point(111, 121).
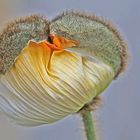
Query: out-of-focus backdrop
point(119, 118)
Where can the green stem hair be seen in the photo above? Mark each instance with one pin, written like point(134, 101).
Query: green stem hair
point(88, 124)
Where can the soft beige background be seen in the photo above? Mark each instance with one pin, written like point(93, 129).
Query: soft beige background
point(119, 117)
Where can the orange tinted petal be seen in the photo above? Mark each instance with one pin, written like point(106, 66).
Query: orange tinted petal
point(62, 43)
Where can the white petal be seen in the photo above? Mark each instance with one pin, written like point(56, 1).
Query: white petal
point(38, 91)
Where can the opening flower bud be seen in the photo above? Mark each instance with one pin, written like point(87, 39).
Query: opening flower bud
point(53, 76)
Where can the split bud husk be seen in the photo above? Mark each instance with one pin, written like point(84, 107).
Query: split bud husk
point(49, 70)
point(98, 38)
point(16, 36)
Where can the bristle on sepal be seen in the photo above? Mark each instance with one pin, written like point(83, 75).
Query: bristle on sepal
point(16, 36)
point(98, 35)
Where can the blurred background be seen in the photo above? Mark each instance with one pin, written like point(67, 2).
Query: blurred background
point(119, 118)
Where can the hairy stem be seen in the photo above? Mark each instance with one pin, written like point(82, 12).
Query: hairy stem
point(88, 124)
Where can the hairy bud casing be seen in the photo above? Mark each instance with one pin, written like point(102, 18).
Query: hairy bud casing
point(97, 38)
point(16, 36)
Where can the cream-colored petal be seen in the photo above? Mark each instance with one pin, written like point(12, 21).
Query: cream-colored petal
point(44, 86)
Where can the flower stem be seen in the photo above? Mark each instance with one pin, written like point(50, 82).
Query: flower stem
point(88, 124)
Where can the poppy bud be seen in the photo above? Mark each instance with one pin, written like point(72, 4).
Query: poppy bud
point(50, 70)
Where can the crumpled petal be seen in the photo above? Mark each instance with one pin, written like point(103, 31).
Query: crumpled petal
point(44, 86)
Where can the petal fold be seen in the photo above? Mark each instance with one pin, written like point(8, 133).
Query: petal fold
point(44, 86)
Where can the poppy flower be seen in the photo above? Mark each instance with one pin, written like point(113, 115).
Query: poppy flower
point(50, 70)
